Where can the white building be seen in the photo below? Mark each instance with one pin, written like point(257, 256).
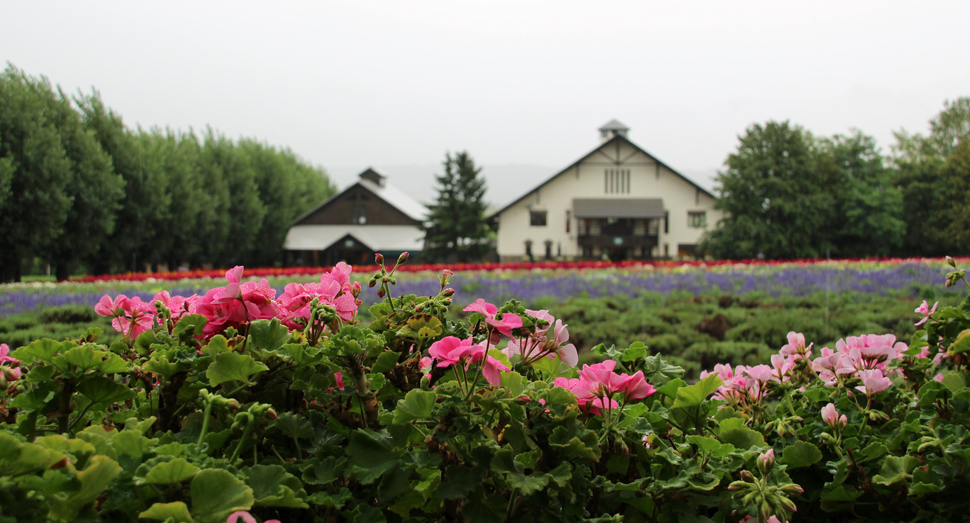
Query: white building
point(618, 201)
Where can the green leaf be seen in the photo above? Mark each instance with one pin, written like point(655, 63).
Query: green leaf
point(216, 493)
point(962, 343)
point(696, 394)
point(40, 350)
point(921, 489)
point(514, 473)
point(268, 334)
point(34, 399)
point(953, 381)
point(670, 389)
point(84, 357)
point(840, 499)
point(175, 471)
point(513, 381)
point(386, 361)
point(131, 443)
point(294, 426)
point(733, 431)
point(460, 481)
point(417, 404)
point(371, 454)
point(104, 390)
point(40, 374)
point(177, 511)
point(895, 470)
point(18, 457)
point(635, 352)
point(274, 487)
point(114, 364)
point(800, 454)
point(189, 325)
point(704, 443)
point(575, 442)
point(321, 472)
point(94, 479)
point(231, 366)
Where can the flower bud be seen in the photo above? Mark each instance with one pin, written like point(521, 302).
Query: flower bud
point(355, 289)
point(446, 302)
point(380, 292)
point(950, 262)
point(402, 258)
point(379, 258)
point(448, 292)
point(766, 461)
point(271, 414)
point(747, 476)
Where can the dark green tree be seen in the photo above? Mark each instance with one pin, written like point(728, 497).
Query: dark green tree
point(773, 197)
point(233, 183)
point(956, 204)
point(287, 187)
point(457, 228)
point(144, 213)
point(95, 187)
point(867, 206)
point(919, 160)
point(35, 172)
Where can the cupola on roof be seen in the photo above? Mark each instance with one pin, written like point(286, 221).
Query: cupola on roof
point(612, 128)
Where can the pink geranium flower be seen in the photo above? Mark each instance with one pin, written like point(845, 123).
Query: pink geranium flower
point(796, 348)
point(831, 417)
point(926, 311)
point(237, 304)
point(246, 517)
point(504, 325)
point(873, 382)
point(131, 317)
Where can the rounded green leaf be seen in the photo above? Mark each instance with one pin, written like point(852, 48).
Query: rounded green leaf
point(231, 366)
point(175, 471)
point(177, 511)
point(216, 493)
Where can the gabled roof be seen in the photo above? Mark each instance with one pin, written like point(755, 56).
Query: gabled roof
point(387, 192)
point(613, 140)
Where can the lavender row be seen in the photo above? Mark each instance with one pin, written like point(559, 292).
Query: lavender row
point(906, 279)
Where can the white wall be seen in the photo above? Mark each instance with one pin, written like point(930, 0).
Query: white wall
point(586, 180)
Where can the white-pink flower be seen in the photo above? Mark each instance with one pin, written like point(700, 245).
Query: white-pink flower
point(873, 381)
point(926, 311)
point(831, 417)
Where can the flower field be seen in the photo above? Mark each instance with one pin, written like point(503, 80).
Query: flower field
point(244, 402)
point(531, 283)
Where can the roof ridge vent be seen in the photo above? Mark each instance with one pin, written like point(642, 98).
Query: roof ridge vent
point(612, 128)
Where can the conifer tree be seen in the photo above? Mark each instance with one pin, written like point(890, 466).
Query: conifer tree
point(457, 229)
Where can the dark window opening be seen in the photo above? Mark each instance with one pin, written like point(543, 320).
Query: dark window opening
point(358, 214)
point(537, 218)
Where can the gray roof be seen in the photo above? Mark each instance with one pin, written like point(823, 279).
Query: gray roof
point(397, 198)
point(614, 125)
point(618, 208)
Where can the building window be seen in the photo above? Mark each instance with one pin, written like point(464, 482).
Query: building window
point(697, 219)
point(528, 249)
point(666, 224)
point(616, 181)
point(568, 220)
point(358, 214)
point(537, 218)
point(548, 249)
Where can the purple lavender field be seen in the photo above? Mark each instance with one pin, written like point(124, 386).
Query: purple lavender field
point(906, 279)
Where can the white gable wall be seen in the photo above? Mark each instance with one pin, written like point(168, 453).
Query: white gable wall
point(586, 180)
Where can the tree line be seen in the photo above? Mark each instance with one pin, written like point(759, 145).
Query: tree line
point(789, 194)
point(80, 190)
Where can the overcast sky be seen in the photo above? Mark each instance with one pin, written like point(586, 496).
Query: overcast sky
point(522, 85)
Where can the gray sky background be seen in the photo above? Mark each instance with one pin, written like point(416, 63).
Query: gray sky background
point(522, 85)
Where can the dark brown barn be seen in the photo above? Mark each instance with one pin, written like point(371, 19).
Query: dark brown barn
point(369, 216)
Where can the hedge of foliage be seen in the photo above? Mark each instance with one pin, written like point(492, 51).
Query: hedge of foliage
point(241, 405)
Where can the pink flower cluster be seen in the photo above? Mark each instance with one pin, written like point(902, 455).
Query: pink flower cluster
point(863, 357)
point(597, 385)
point(452, 351)
point(238, 303)
point(130, 316)
point(9, 367)
point(543, 343)
point(497, 326)
point(866, 357)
